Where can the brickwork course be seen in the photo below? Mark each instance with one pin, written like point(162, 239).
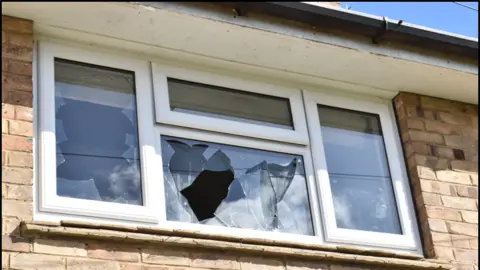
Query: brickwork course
point(440, 142)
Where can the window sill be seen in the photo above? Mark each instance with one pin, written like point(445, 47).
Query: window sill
point(183, 238)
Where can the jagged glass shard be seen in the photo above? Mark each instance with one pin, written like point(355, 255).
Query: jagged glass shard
point(274, 182)
point(84, 189)
point(59, 131)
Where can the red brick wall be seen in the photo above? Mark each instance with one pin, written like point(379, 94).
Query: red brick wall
point(440, 142)
point(17, 131)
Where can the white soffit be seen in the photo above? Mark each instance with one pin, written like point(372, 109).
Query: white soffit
point(287, 59)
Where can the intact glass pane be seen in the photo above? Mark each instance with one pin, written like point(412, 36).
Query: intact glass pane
point(358, 170)
point(238, 187)
point(219, 102)
point(96, 133)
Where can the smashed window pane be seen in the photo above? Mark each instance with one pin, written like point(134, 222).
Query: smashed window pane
point(224, 103)
point(96, 133)
point(358, 170)
point(230, 186)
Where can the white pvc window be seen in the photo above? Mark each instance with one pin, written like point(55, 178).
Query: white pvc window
point(364, 190)
point(217, 154)
point(96, 141)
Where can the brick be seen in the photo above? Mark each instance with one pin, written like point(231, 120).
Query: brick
point(430, 199)
point(19, 192)
point(5, 126)
point(437, 187)
point(467, 191)
point(21, 128)
point(164, 256)
point(17, 53)
point(425, 137)
point(16, 143)
point(5, 260)
point(17, 209)
point(435, 103)
point(4, 158)
point(471, 154)
point(425, 173)
point(11, 226)
point(430, 162)
point(87, 264)
point(15, 244)
point(416, 148)
point(473, 243)
point(460, 142)
point(466, 255)
point(415, 123)
point(20, 68)
point(453, 177)
point(59, 247)
point(437, 225)
point(441, 239)
point(299, 265)
point(469, 132)
point(459, 203)
point(24, 40)
point(131, 266)
point(17, 176)
point(445, 253)
point(460, 241)
point(20, 159)
point(214, 260)
point(442, 128)
point(404, 99)
point(99, 251)
point(462, 228)
point(4, 191)
point(4, 65)
point(443, 213)
point(443, 152)
point(18, 82)
point(8, 111)
point(254, 263)
point(29, 261)
point(470, 216)
point(455, 119)
point(12, 24)
point(20, 98)
point(24, 113)
point(465, 166)
point(474, 178)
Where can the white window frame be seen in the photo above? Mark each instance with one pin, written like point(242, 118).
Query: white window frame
point(48, 199)
point(155, 118)
point(165, 115)
point(409, 239)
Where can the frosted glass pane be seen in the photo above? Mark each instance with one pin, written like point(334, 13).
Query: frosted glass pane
point(219, 102)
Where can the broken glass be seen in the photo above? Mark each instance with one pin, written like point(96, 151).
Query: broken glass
point(357, 164)
point(96, 134)
point(230, 186)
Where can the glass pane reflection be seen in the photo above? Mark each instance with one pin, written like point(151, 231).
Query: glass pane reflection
point(96, 133)
point(358, 170)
